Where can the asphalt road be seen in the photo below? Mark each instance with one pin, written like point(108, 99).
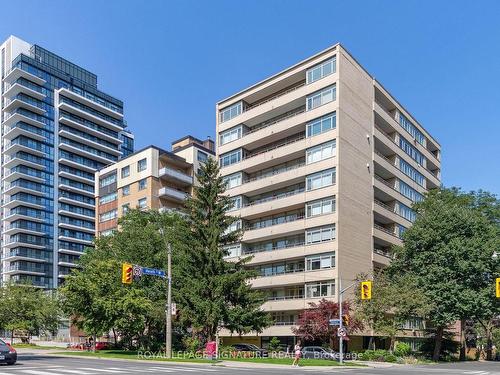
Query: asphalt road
point(41, 364)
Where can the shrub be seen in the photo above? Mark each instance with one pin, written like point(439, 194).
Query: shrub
point(390, 358)
point(274, 344)
point(402, 349)
point(191, 344)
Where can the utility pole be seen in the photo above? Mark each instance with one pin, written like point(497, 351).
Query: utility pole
point(341, 323)
point(168, 344)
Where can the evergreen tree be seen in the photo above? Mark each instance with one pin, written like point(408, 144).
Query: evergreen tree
point(211, 292)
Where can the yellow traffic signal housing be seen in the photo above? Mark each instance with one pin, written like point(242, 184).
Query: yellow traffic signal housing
point(346, 319)
point(366, 290)
point(127, 273)
point(497, 283)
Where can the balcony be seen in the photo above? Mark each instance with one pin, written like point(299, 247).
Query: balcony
point(91, 103)
point(294, 278)
point(67, 106)
point(88, 127)
point(388, 236)
point(12, 132)
point(16, 73)
point(18, 88)
point(179, 176)
point(10, 176)
point(11, 203)
point(16, 117)
point(92, 155)
point(167, 192)
point(16, 146)
point(286, 303)
point(75, 136)
point(12, 105)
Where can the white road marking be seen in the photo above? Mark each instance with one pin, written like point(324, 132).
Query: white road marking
point(102, 370)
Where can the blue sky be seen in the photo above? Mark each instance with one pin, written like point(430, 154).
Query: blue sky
point(171, 61)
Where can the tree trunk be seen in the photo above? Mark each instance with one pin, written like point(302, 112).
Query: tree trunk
point(94, 336)
point(489, 345)
point(462, 340)
point(438, 342)
point(11, 337)
point(115, 338)
point(391, 346)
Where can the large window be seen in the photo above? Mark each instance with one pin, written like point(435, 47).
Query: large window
point(231, 112)
point(233, 250)
point(406, 212)
point(233, 180)
point(322, 124)
point(233, 227)
point(320, 261)
point(320, 179)
point(236, 203)
point(322, 70)
point(107, 198)
point(142, 165)
point(321, 234)
point(409, 192)
point(320, 207)
point(321, 152)
point(321, 289)
point(411, 172)
point(110, 215)
point(232, 157)
point(412, 129)
point(143, 184)
point(230, 135)
point(411, 151)
point(202, 156)
point(108, 180)
point(319, 98)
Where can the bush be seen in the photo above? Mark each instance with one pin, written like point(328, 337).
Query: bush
point(274, 344)
point(192, 344)
point(402, 349)
point(390, 358)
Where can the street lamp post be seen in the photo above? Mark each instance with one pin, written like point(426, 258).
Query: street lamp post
point(168, 308)
point(341, 323)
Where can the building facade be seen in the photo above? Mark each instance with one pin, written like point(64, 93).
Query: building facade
point(323, 165)
point(151, 178)
point(57, 130)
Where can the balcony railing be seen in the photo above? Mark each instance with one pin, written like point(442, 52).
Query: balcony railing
point(271, 122)
point(388, 231)
point(166, 191)
point(261, 224)
point(275, 197)
point(275, 147)
point(385, 253)
point(285, 298)
point(274, 172)
point(278, 95)
point(265, 249)
point(176, 174)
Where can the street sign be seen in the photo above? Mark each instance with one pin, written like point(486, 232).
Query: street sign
point(334, 322)
point(153, 272)
point(137, 272)
point(174, 308)
point(341, 332)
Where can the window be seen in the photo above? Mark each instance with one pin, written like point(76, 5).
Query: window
point(201, 156)
point(125, 208)
point(320, 261)
point(322, 124)
point(108, 198)
point(236, 203)
point(107, 232)
point(231, 112)
point(233, 227)
point(232, 250)
point(321, 70)
point(412, 129)
point(108, 180)
point(413, 323)
point(411, 172)
point(400, 230)
point(143, 184)
point(126, 171)
point(233, 180)
point(110, 215)
point(230, 135)
point(321, 234)
point(142, 165)
point(125, 190)
point(406, 212)
point(320, 207)
point(321, 152)
point(319, 98)
point(320, 179)
point(321, 289)
point(232, 157)
point(142, 203)
point(411, 151)
point(409, 192)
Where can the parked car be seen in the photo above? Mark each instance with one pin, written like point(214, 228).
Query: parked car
point(101, 345)
point(7, 353)
point(318, 352)
point(258, 352)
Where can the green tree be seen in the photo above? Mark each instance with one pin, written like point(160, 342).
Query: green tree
point(448, 253)
point(211, 291)
point(393, 302)
point(24, 308)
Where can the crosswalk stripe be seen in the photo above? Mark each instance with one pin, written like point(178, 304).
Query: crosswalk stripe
point(38, 372)
point(101, 370)
point(77, 372)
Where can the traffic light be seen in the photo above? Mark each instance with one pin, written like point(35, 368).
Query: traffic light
point(346, 320)
point(366, 290)
point(498, 286)
point(127, 273)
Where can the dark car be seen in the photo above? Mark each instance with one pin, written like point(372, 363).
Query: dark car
point(7, 353)
point(318, 352)
point(250, 348)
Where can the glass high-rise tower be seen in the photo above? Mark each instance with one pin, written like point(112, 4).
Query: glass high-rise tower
point(57, 129)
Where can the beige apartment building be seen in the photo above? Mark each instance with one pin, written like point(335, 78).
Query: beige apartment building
point(323, 165)
point(151, 178)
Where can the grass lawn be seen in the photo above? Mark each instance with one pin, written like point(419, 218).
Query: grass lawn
point(121, 354)
point(34, 346)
